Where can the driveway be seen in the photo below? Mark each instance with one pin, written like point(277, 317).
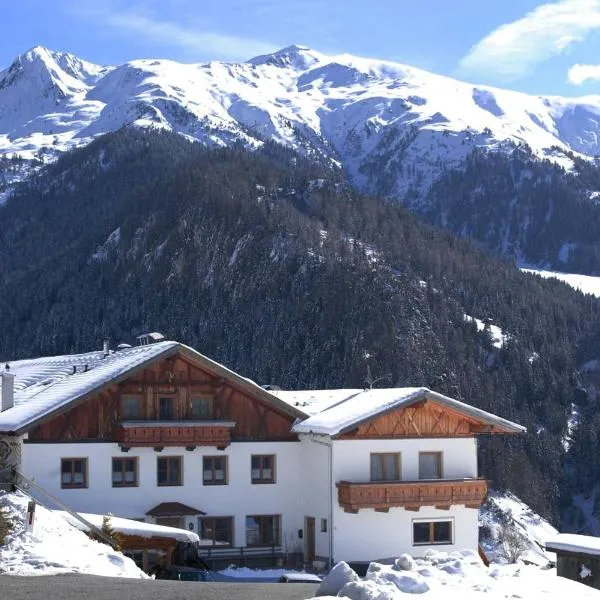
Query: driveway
point(90, 587)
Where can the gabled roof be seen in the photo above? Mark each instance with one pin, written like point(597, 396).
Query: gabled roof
point(49, 385)
point(173, 509)
point(354, 407)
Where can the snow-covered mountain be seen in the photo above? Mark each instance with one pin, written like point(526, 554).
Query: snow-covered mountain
point(363, 113)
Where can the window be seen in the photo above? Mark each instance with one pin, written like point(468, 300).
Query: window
point(131, 407)
point(166, 409)
point(385, 467)
point(201, 408)
point(323, 525)
point(216, 531)
point(432, 532)
point(262, 530)
point(214, 470)
point(263, 468)
point(430, 465)
point(169, 470)
point(73, 472)
point(125, 472)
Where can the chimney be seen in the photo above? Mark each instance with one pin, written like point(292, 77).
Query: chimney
point(105, 348)
point(8, 389)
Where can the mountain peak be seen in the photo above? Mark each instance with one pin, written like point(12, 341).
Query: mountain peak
point(59, 66)
point(294, 57)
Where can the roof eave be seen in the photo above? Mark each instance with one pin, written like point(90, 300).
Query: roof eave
point(243, 383)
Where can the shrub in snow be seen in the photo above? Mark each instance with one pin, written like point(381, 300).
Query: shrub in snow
point(512, 543)
point(405, 562)
point(336, 579)
point(109, 531)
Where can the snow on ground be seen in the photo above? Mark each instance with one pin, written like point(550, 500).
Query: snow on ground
point(572, 423)
point(55, 546)
point(457, 576)
point(498, 336)
point(587, 284)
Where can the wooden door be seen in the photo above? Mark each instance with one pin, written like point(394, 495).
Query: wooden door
point(309, 547)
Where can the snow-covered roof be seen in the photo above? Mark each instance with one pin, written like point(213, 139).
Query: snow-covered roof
point(312, 402)
point(571, 542)
point(46, 385)
point(137, 528)
point(356, 406)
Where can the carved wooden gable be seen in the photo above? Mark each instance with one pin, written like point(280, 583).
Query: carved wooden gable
point(182, 380)
point(423, 419)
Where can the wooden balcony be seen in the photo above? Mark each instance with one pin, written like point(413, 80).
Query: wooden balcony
point(188, 434)
point(411, 495)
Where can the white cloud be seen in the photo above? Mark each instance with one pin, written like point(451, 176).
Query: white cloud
point(190, 38)
point(579, 74)
point(513, 50)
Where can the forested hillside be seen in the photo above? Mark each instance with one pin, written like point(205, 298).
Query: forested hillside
point(522, 208)
point(275, 266)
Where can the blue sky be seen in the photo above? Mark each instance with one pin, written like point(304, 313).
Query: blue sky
point(537, 47)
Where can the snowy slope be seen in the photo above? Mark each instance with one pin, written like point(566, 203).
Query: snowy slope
point(55, 546)
point(503, 510)
point(362, 112)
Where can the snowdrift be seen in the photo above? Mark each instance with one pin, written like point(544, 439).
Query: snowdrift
point(55, 546)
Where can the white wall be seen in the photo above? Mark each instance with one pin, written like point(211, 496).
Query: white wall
point(369, 535)
point(239, 498)
point(302, 489)
point(315, 491)
point(352, 457)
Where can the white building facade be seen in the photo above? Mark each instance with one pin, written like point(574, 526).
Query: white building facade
point(163, 434)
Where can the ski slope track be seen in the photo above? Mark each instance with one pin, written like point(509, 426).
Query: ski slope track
point(362, 113)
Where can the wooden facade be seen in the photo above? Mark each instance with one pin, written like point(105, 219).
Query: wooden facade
point(411, 495)
point(235, 414)
point(583, 566)
point(422, 419)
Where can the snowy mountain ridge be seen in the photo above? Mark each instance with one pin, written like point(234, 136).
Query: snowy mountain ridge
point(361, 112)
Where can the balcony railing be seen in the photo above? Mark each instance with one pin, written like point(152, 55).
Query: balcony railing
point(159, 434)
point(411, 495)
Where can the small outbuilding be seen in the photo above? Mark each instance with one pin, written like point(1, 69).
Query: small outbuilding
point(577, 557)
